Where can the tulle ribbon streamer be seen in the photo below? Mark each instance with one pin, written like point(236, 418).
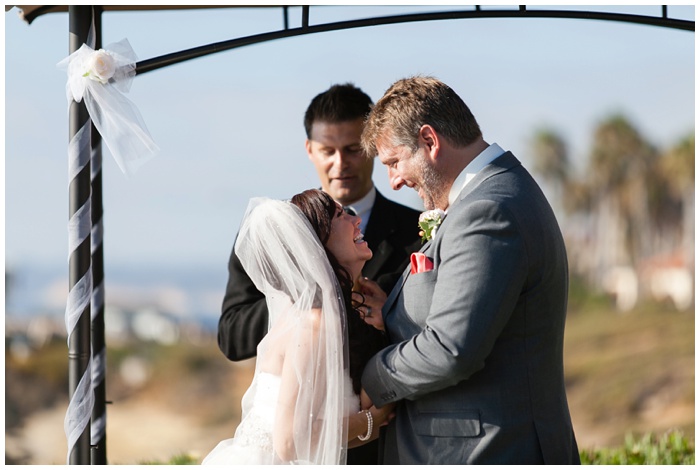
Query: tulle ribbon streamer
point(116, 118)
point(99, 78)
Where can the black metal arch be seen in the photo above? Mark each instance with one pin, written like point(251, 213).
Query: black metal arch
point(662, 20)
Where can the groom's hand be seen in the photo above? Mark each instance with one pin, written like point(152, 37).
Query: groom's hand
point(386, 414)
point(374, 301)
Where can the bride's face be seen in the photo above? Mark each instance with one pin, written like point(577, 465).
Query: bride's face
point(346, 242)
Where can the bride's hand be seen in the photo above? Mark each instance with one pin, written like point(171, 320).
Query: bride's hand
point(374, 301)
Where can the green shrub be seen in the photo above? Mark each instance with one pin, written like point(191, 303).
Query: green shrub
point(670, 449)
point(180, 459)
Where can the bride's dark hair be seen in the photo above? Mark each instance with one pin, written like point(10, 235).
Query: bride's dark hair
point(363, 340)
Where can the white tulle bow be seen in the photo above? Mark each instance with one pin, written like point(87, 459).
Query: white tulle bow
point(100, 77)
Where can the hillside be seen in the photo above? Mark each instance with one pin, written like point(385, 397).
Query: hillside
point(625, 373)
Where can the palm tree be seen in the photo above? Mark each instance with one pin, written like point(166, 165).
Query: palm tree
point(552, 161)
point(572, 194)
point(551, 155)
point(677, 166)
point(620, 169)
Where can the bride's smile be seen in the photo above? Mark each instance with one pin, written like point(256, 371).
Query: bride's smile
point(347, 243)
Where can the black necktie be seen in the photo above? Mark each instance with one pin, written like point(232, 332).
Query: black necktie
point(349, 210)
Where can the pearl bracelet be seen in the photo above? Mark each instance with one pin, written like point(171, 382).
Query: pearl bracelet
point(369, 427)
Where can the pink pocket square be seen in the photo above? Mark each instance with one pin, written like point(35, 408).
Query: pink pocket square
point(420, 263)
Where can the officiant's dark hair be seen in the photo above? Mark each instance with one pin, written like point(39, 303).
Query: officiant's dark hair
point(340, 103)
point(364, 341)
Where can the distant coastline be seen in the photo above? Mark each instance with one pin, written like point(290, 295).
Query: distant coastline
point(191, 290)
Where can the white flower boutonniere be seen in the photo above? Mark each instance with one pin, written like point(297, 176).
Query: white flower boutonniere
point(100, 66)
point(428, 222)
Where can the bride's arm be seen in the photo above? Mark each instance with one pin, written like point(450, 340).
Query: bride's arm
point(299, 351)
point(300, 354)
point(358, 424)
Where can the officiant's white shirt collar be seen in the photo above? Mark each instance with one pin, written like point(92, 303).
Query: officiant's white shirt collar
point(363, 207)
point(489, 154)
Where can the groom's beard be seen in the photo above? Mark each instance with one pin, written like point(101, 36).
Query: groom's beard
point(434, 186)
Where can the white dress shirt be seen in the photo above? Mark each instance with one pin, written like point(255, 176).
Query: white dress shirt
point(491, 153)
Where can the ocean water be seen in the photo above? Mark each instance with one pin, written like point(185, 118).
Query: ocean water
point(188, 291)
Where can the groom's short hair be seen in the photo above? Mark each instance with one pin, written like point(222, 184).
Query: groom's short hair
point(340, 103)
point(410, 103)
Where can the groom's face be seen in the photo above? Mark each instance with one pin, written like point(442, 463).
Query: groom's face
point(412, 169)
point(335, 150)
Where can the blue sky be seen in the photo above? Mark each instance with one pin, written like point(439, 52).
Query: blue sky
point(230, 125)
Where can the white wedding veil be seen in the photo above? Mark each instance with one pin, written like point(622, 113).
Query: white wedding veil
point(306, 342)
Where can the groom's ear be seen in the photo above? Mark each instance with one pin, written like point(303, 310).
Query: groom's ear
point(429, 138)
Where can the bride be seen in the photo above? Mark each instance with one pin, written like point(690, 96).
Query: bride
point(303, 406)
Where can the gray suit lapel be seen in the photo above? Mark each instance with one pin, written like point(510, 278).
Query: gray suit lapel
point(499, 165)
point(394, 294)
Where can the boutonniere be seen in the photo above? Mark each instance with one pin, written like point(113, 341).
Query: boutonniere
point(428, 222)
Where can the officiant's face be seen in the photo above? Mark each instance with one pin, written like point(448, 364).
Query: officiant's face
point(346, 242)
point(344, 170)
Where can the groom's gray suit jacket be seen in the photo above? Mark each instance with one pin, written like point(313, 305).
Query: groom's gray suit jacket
point(477, 342)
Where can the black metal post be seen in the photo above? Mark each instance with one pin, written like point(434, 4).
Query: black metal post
point(99, 345)
point(305, 16)
point(79, 261)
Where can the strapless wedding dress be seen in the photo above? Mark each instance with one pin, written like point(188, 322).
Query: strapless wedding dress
point(252, 442)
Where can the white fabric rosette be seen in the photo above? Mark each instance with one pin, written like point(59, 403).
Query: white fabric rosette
point(100, 77)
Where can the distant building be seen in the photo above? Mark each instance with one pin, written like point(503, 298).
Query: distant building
point(141, 324)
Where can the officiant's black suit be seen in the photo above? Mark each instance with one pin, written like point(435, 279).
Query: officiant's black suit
point(392, 235)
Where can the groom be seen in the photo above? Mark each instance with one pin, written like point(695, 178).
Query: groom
point(477, 322)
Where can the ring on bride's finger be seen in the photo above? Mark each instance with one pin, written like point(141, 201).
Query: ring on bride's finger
point(369, 312)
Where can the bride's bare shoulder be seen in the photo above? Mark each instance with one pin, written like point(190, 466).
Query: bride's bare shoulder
point(312, 318)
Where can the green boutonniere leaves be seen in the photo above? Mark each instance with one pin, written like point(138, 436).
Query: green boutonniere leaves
point(428, 222)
